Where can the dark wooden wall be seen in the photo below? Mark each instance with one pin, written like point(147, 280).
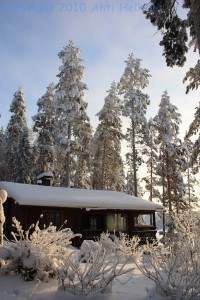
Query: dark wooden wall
point(76, 218)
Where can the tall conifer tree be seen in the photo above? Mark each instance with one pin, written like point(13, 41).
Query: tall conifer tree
point(23, 159)
point(151, 152)
point(15, 128)
point(135, 104)
point(3, 165)
point(171, 157)
point(108, 166)
point(44, 122)
point(194, 129)
point(69, 94)
point(83, 133)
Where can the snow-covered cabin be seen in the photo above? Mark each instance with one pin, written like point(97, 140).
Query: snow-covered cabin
point(89, 212)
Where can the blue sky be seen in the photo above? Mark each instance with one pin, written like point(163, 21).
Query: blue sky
point(34, 31)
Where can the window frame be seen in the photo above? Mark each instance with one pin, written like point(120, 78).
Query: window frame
point(117, 226)
point(50, 222)
point(151, 219)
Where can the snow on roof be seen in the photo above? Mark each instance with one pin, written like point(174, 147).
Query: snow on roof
point(47, 174)
point(39, 195)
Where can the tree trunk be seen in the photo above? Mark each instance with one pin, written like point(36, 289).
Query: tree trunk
point(195, 11)
point(176, 199)
point(163, 176)
point(189, 194)
point(134, 160)
point(103, 164)
point(151, 177)
point(68, 156)
point(168, 185)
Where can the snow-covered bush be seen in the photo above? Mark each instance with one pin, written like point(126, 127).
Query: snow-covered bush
point(128, 245)
point(34, 252)
point(92, 276)
point(92, 270)
point(108, 241)
point(175, 266)
point(122, 244)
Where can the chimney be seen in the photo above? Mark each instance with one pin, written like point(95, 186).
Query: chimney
point(45, 178)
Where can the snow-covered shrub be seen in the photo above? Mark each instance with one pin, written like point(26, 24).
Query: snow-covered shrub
point(34, 252)
point(128, 245)
point(175, 266)
point(92, 276)
point(123, 243)
point(92, 270)
point(88, 246)
point(108, 241)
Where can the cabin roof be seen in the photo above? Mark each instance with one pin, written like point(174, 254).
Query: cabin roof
point(38, 195)
point(45, 174)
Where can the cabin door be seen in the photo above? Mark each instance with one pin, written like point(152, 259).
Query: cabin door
point(93, 225)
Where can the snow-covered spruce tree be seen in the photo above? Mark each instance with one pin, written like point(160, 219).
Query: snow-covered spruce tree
point(108, 165)
point(69, 94)
point(171, 154)
point(135, 104)
point(83, 133)
point(44, 125)
point(3, 165)
point(23, 159)
point(151, 152)
point(15, 128)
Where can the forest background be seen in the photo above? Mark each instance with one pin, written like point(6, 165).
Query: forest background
point(35, 32)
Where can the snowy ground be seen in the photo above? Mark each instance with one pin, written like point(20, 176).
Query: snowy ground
point(138, 288)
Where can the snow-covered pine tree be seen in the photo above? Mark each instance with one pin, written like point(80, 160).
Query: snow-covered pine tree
point(83, 133)
point(151, 152)
point(135, 104)
point(15, 128)
point(69, 94)
point(193, 76)
point(190, 178)
point(129, 186)
point(175, 29)
point(108, 165)
point(194, 129)
point(44, 122)
point(23, 159)
point(178, 187)
point(171, 154)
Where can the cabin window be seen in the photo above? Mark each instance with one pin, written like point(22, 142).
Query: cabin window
point(143, 220)
point(116, 222)
point(52, 217)
point(93, 223)
point(96, 222)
